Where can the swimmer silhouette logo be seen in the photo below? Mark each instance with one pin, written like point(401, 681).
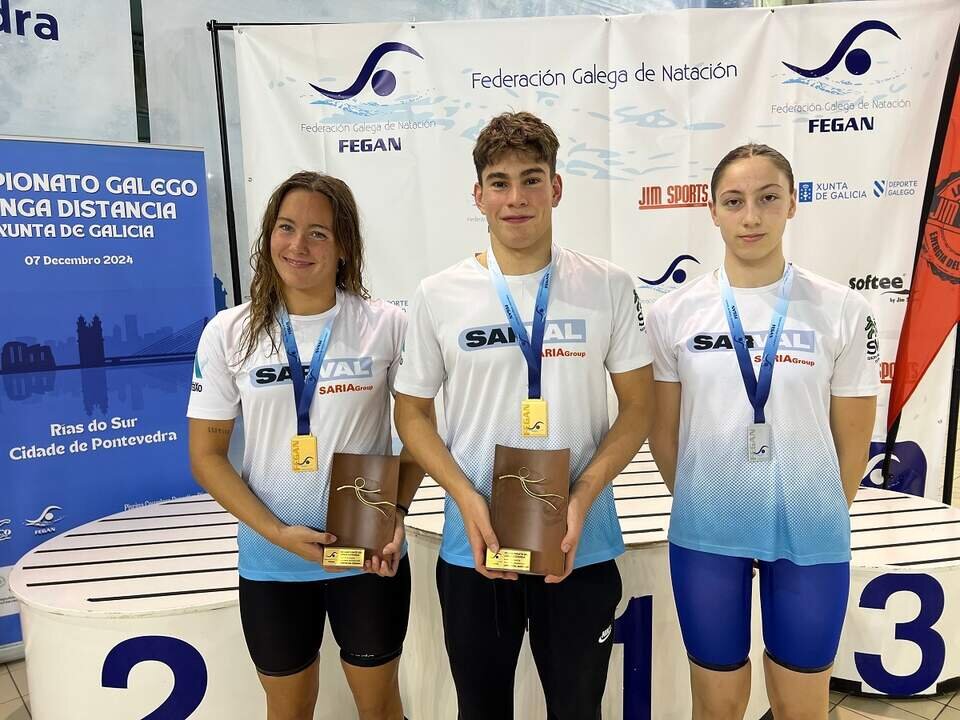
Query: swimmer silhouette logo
point(908, 468)
point(857, 61)
point(673, 277)
point(383, 81)
point(45, 522)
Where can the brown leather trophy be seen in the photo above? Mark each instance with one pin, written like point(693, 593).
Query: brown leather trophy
point(528, 509)
point(362, 510)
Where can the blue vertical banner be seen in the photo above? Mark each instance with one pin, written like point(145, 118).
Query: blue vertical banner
point(105, 285)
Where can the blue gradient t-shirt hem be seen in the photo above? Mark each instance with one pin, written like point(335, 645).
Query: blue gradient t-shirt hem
point(581, 561)
point(267, 575)
point(822, 558)
point(300, 575)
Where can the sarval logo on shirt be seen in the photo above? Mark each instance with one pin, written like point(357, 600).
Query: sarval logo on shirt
point(556, 331)
point(330, 370)
point(804, 341)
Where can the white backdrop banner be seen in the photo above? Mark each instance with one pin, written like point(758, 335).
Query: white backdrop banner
point(644, 106)
point(67, 69)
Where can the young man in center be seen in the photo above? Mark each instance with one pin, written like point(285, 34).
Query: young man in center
point(461, 338)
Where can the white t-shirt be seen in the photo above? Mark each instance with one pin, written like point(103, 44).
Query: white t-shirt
point(792, 507)
point(459, 339)
point(350, 413)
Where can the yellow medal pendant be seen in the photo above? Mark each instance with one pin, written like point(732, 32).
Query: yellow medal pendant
point(303, 453)
point(533, 417)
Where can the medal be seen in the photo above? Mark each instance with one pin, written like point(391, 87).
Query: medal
point(303, 446)
point(533, 418)
point(759, 434)
point(303, 453)
point(533, 410)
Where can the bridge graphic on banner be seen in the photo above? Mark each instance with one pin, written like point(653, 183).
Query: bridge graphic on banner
point(94, 350)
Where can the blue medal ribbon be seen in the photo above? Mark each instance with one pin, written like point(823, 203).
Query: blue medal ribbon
point(304, 388)
point(758, 388)
point(532, 349)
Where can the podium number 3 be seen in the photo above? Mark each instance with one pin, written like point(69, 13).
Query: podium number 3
point(189, 672)
point(919, 631)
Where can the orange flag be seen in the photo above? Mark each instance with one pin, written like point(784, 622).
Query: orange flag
point(933, 307)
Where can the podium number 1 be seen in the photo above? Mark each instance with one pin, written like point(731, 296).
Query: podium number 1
point(634, 630)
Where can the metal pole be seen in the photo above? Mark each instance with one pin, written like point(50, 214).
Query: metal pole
point(214, 29)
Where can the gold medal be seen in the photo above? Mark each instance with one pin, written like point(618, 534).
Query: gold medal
point(533, 417)
point(303, 453)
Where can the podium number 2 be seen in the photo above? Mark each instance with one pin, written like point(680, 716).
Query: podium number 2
point(634, 630)
point(189, 672)
point(919, 631)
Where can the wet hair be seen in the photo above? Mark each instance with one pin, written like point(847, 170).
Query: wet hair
point(748, 151)
point(265, 288)
point(519, 132)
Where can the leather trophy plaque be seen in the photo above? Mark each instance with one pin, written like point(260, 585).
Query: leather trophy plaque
point(361, 512)
point(528, 509)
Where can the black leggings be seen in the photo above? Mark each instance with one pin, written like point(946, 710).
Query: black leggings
point(571, 636)
point(283, 621)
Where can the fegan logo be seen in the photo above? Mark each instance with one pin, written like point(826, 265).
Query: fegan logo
point(44, 522)
point(857, 61)
point(839, 124)
point(367, 145)
point(674, 272)
point(941, 236)
point(689, 195)
point(908, 468)
point(529, 424)
point(383, 82)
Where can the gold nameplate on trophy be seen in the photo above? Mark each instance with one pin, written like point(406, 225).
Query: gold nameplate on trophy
point(343, 557)
point(303, 453)
point(508, 559)
point(533, 417)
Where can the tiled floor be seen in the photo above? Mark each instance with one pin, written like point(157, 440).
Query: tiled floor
point(15, 702)
point(850, 707)
point(14, 695)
